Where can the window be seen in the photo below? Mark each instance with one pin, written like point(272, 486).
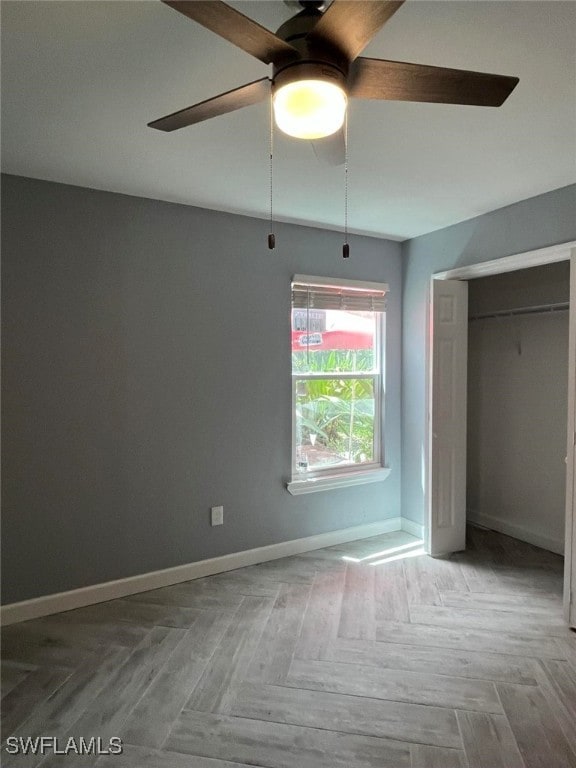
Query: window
point(337, 341)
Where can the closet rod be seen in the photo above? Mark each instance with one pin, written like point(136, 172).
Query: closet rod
point(536, 310)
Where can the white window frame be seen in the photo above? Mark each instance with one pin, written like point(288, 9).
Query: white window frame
point(352, 474)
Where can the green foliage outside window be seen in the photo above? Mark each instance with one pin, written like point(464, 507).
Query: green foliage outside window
point(335, 416)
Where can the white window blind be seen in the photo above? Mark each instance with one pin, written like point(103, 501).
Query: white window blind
point(312, 294)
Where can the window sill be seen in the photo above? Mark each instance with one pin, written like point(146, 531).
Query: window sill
point(330, 482)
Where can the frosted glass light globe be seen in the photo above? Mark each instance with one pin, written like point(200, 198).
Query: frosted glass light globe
point(309, 109)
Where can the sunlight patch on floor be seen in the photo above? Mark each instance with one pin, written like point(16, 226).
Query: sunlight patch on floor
point(402, 555)
point(387, 551)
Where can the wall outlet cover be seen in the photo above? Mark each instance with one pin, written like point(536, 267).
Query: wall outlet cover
point(217, 516)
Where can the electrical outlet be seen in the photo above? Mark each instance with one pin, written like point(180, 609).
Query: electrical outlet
point(217, 516)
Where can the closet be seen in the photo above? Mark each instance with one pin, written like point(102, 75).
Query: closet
point(517, 396)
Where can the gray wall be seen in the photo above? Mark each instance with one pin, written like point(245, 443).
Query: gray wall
point(147, 377)
point(517, 405)
point(535, 223)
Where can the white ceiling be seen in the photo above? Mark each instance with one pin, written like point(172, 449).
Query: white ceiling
point(80, 80)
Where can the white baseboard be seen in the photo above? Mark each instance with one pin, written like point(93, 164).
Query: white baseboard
point(409, 526)
point(110, 590)
point(517, 531)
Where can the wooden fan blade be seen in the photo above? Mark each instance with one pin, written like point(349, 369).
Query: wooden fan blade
point(349, 25)
point(400, 81)
point(248, 94)
point(236, 28)
point(331, 150)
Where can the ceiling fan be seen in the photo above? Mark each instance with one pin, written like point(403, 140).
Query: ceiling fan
point(317, 67)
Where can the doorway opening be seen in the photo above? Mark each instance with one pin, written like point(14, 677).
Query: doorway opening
point(446, 488)
point(517, 403)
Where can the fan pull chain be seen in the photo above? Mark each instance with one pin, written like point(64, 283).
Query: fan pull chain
point(346, 246)
point(271, 236)
point(307, 327)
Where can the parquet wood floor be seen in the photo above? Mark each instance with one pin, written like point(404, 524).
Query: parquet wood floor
point(365, 655)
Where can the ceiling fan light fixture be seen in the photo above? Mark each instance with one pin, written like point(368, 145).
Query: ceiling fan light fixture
point(310, 108)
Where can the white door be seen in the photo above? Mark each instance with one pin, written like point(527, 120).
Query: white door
point(570, 547)
point(447, 417)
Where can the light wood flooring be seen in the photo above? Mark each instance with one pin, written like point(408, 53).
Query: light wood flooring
point(365, 655)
